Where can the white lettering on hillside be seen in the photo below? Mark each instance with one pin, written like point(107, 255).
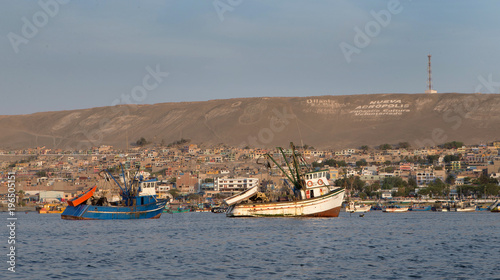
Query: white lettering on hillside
point(323, 106)
point(387, 107)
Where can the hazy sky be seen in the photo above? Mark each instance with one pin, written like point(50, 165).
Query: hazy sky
point(83, 54)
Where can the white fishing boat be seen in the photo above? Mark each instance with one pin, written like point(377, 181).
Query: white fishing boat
point(466, 209)
point(314, 196)
point(352, 207)
point(395, 209)
point(464, 206)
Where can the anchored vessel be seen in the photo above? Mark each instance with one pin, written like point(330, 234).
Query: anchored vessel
point(355, 208)
point(138, 201)
point(314, 196)
point(51, 208)
point(395, 209)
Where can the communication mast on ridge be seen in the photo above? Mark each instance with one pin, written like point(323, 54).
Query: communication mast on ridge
point(429, 81)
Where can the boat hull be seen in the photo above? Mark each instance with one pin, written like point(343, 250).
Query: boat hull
point(396, 210)
point(328, 205)
point(92, 212)
point(466, 209)
point(426, 208)
point(358, 209)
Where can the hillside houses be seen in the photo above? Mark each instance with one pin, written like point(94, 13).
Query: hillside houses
point(192, 168)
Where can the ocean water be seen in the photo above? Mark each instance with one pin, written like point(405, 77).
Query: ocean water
point(422, 245)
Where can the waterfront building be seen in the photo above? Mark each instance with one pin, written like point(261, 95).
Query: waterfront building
point(233, 185)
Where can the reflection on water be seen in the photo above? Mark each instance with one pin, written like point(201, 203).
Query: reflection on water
point(210, 246)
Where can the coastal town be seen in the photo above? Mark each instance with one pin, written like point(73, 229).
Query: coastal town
point(201, 177)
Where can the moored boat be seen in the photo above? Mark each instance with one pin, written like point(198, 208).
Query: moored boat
point(314, 197)
point(352, 207)
point(176, 210)
point(395, 209)
point(138, 201)
point(466, 209)
point(420, 208)
point(465, 206)
point(51, 208)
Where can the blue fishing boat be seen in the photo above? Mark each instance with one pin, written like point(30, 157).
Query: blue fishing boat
point(138, 201)
point(420, 208)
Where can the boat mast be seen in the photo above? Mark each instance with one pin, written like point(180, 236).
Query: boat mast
point(296, 166)
point(293, 168)
point(282, 170)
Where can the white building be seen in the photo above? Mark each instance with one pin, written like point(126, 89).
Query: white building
point(424, 177)
point(234, 184)
point(369, 171)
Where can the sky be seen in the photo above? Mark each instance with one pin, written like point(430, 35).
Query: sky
point(64, 55)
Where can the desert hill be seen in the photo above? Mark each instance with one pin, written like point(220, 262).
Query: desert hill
point(319, 121)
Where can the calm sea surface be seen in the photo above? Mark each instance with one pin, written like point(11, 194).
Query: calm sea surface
point(427, 245)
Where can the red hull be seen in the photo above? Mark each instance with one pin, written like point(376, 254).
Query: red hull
point(332, 213)
point(80, 199)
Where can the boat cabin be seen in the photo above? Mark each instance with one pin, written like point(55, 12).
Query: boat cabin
point(316, 184)
point(147, 188)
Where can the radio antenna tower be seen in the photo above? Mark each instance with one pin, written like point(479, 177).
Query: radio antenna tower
point(429, 81)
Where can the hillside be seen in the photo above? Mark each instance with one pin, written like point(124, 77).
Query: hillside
point(321, 121)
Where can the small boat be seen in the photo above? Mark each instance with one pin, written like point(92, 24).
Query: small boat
point(51, 208)
point(313, 195)
point(395, 209)
point(377, 207)
point(420, 208)
point(479, 208)
point(466, 209)
point(354, 208)
point(219, 209)
point(138, 201)
point(176, 211)
point(464, 206)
